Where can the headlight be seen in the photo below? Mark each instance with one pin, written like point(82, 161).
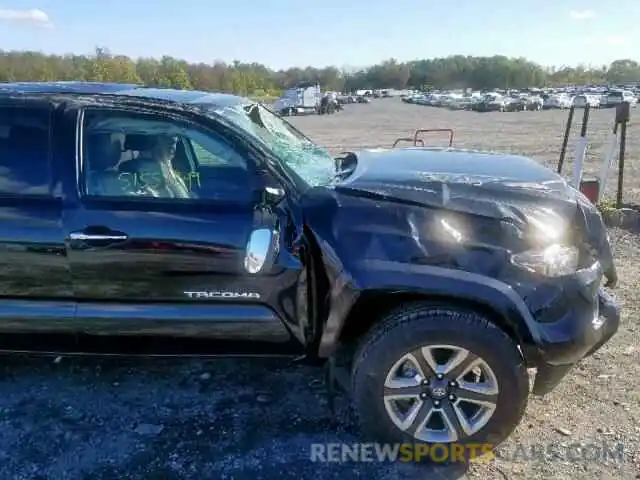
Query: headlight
point(553, 261)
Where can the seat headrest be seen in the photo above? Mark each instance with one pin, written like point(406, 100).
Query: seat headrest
point(139, 142)
point(98, 140)
point(103, 151)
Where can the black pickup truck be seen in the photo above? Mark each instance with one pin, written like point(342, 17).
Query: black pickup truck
point(427, 281)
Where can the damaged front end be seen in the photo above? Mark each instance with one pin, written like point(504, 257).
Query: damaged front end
point(577, 315)
point(498, 230)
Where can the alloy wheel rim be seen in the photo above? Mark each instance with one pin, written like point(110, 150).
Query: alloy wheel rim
point(440, 393)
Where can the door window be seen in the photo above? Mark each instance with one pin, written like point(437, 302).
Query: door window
point(133, 155)
point(24, 151)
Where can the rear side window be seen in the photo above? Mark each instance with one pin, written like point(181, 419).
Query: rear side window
point(24, 151)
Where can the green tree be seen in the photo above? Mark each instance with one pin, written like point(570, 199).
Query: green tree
point(623, 71)
point(456, 71)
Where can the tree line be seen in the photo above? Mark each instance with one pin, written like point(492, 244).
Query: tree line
point(254, 79)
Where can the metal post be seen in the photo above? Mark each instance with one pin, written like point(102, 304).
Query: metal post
point(623, 146)
point(565, 141)
point(623, 115)
point(585, 121)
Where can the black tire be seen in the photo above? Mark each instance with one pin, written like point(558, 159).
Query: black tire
point(417, 325)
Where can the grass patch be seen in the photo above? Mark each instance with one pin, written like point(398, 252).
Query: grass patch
point(607, 206)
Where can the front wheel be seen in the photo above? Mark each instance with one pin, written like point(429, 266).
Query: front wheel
point(439, 375)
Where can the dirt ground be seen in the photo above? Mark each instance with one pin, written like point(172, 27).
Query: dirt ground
point(235, 419)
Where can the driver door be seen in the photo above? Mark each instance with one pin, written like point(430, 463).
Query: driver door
point(211, 266)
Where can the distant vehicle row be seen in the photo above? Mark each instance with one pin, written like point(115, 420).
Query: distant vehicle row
point(346, 99)
point(520, 101)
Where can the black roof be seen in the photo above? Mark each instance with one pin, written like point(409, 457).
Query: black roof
point(123, 89)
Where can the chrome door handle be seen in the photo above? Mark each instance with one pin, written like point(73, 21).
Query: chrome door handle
point(94, 237)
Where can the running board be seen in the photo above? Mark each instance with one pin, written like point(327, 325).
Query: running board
point(140, 346)
point(45, 353)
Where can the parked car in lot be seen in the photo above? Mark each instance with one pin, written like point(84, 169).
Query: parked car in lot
point(616, 97)
point(515, 104)
point(491, 103)
point(430, 100)
point(582, 100)
point(557, 101)
point(209, 222)
point(518, 103)
point(465, 102)
point(534, 103)
point(347, 99)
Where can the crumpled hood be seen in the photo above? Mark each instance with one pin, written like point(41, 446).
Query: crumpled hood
point(509, 188)
point(470, 182)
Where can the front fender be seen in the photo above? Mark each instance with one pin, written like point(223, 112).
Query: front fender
point(399, 277)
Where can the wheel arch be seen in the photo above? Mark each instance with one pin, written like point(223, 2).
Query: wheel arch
point(360, 292)
point(388, 284)
point(373, 305)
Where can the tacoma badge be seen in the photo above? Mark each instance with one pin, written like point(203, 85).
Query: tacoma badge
point(230, 295)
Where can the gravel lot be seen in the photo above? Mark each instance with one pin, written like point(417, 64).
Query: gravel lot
point(161, 419)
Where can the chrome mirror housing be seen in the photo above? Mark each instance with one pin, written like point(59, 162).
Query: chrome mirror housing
point(259, 248)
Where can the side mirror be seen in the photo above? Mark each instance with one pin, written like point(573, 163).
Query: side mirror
point(267, 196)
point(272, 195)
point(261, 244)
point(345, 163)
point(267, 191)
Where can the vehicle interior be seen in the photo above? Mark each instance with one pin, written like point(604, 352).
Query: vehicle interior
point(109, 155)
point(136, 145)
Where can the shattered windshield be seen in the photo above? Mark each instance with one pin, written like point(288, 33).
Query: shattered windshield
point(312, 163)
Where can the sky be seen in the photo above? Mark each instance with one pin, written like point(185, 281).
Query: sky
point(352, 34)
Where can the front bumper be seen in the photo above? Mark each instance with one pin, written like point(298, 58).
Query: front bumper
point(572, 338)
